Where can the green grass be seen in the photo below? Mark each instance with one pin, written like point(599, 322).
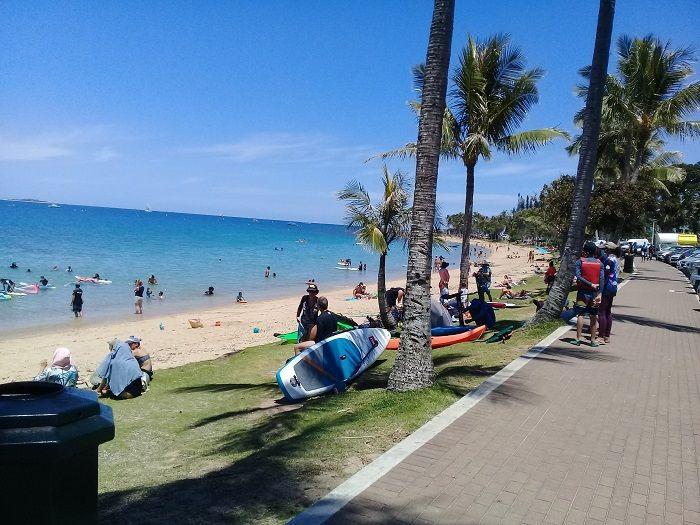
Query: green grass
point(210, 443)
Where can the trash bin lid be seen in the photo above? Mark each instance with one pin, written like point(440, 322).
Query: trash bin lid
point(41, 404)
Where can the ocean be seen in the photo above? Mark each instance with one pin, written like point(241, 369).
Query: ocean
point(187, 253)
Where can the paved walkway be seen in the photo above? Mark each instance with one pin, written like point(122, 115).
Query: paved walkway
point(610, 435)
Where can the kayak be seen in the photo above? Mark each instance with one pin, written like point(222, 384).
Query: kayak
point(292, 336)
point(445, 340)
point(497, 304)
point(450, 330)
point(92, 280)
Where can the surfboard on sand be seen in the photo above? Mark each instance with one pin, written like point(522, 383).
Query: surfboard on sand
point(331, 364)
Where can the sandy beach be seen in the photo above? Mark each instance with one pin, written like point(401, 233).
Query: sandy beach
point(177, 343)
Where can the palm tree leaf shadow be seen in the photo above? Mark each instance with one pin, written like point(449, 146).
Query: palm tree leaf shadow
point(225, 387)
point(655, 323)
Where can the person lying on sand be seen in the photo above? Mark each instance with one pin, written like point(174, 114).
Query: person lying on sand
point(326, 325)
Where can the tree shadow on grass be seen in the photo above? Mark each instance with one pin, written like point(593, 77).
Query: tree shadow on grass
point(266, 484)
point(225, 387)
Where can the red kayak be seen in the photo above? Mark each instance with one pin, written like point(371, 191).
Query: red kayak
point(439, 341)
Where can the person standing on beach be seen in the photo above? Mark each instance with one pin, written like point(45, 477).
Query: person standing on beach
point(307, 312)
point(549, 276)
point(138, 297)
point(76, 301)
point(444, 273)
point(483, 281)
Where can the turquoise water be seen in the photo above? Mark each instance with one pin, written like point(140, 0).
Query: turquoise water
point(187, 253)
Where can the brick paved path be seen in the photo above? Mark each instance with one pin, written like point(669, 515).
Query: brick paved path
point(610, 435)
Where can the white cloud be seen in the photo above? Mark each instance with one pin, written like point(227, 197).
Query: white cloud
point(84, 143)
point(285, 147)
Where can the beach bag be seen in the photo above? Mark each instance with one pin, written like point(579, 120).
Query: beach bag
point(195, 323)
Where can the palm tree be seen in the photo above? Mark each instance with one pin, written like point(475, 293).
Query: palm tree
point(588, 158)
point(413, 367)
point(377, 226)
point(491, 96)
point(647, 101)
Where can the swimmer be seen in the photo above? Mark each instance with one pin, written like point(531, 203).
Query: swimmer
point(274, 274)
point(152, 280)
point(69, 269)
point(240, 298)
point(96, 276)
point(44, 281)
point(209, 291)
point(14, 266)
point(54, 269)
point(267, 272)
point(149, 292)
point(161, 295)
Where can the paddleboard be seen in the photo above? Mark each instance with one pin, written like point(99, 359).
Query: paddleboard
point(330, 364)
point(39, 286)
point(92, 280)
point(5, 297)
point(292, 336)
point(445, 340)
point(346, 268)
point(18, 294)
point(450, 330)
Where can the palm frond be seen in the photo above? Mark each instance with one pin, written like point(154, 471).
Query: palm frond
point(528, 141)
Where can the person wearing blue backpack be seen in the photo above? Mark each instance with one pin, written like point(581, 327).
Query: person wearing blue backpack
point(611, 267)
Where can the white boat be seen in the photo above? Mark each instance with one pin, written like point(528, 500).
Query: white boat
point(148, 208)
point(52, 205)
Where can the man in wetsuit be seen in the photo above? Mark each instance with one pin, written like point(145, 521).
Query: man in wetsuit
point(589, 275)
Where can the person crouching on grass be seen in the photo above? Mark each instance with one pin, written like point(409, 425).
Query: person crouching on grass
point(589, 276)
point(326, 325)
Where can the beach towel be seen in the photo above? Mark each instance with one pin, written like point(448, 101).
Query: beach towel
point(119, 367)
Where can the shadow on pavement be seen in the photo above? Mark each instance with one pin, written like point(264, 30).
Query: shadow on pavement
point(646, 321)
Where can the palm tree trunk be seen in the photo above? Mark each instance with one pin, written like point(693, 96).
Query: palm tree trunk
point(467, 229)
point(413, 367)
point(588, 158)
point(381, 293)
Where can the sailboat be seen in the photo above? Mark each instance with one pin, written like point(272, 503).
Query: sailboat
point(148, 208)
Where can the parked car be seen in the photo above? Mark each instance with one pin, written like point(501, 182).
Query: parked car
point(670, 253)
point(680, 255)
point(695, 279)
point(661, 254)
point(689, 262)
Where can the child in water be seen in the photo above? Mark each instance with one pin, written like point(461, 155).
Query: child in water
point(209, 291)
point(240, 298)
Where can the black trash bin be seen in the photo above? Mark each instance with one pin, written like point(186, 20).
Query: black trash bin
point(629, 263)
point(48, 453)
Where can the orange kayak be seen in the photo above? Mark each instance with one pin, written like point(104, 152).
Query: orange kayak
point(445, 340)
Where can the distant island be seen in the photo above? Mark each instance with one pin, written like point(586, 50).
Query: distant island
point(31, 201)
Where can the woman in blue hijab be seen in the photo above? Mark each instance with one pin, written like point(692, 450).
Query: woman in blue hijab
point(120, 373)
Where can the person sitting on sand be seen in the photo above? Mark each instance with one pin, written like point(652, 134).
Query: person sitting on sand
point(325, 326)
point(209, 291)
point(44, 281)
point(143, 359)
point(152, 280)
point(240, 298)
point(360, 291)
point(61, 371)
point(507, 292)
point(119, 372)
point(394, 301)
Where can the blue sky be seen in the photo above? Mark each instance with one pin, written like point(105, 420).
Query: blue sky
point(266, 108)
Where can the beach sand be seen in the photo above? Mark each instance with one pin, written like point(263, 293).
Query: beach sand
point(21, 354)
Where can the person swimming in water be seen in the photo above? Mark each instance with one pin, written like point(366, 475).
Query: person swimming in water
point(13, 265)
point(96, 276)
point(44, 281)
point(161, 295)
point(209, 291)
point(152, 280)
point(29, 270)
point(149, 292)
point(69, 269)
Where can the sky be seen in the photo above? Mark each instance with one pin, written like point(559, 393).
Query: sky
point(267, 109)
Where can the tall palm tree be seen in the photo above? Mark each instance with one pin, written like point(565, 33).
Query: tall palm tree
point(378, 225)
point(491, 96)
point(647, 101)
point(588, 158)
point(413, 367)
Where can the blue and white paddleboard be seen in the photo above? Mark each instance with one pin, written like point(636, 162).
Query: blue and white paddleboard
point(330, 364)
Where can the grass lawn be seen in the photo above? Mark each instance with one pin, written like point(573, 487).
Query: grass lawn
point(210, 443)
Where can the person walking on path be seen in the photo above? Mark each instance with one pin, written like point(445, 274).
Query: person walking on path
point(138, 297)
point(76, 301)
point(589, 277)
point(611, 267)
point(483, 281)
